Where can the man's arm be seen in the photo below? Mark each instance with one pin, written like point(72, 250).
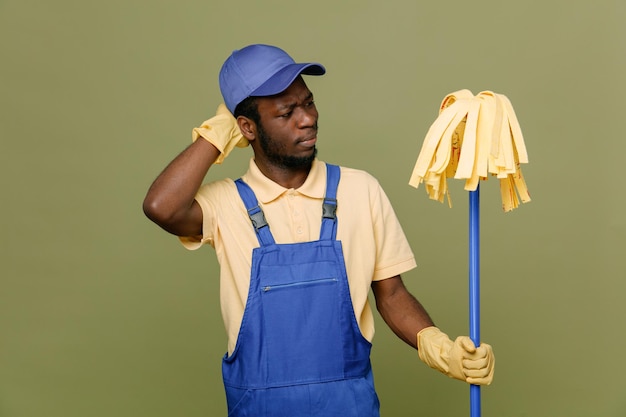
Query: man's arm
point(170, 200)
point(459, 359)
point(402, 312)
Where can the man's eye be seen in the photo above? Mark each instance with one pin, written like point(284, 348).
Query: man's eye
point(311, 103)
point(285, 115)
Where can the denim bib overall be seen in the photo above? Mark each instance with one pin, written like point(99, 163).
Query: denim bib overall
point(299, 351)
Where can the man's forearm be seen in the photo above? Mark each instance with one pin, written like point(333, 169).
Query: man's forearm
point(402, 312)
point(170, 200)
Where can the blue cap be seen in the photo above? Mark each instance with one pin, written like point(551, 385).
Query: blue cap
point(260, 70)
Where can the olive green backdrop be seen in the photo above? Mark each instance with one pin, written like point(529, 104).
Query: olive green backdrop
point(104, 314)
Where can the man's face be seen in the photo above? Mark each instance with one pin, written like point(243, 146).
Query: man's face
point(287, 131)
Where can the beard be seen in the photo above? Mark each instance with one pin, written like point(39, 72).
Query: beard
point(275, 152)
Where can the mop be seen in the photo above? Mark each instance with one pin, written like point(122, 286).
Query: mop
point(473, 137)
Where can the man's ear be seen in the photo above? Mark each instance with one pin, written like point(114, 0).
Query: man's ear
point(247, 127)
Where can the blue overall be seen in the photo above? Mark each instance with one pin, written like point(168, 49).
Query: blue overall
point(299, 351)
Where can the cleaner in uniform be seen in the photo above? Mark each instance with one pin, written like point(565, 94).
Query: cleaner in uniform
point(300, 243)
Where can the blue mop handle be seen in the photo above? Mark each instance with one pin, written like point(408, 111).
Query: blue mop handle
point(474, 288)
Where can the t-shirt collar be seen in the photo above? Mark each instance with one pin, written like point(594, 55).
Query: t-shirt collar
point(267, 190)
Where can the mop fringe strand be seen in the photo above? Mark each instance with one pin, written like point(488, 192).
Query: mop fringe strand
point(473, 137)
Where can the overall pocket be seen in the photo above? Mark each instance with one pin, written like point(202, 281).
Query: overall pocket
point(301, 322)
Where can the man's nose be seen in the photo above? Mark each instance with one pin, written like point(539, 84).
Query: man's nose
point(307, 117)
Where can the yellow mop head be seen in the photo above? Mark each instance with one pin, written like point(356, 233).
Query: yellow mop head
point(473, 136)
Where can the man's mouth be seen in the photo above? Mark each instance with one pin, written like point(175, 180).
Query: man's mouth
point(310, 142)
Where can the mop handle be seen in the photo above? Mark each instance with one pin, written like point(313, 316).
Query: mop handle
point(474, 288)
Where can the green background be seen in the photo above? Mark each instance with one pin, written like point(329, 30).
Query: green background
point(104, 314)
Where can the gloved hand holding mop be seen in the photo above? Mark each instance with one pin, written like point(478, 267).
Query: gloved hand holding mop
point(459, 359)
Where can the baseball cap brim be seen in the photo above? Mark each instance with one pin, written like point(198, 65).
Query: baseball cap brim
point(283, 78)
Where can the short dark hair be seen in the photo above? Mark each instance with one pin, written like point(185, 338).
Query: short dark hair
point(248, 108)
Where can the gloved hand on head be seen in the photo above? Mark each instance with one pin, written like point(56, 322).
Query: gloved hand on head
point(460, 359)
point(222, 132)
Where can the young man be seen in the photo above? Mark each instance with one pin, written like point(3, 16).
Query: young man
point(299, 243)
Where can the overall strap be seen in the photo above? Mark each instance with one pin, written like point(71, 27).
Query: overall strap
point(255, 213)
point(329, 208)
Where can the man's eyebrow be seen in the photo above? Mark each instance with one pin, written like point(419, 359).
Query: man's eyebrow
point(291, 105)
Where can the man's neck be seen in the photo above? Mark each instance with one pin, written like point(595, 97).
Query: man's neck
point(285, 176)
